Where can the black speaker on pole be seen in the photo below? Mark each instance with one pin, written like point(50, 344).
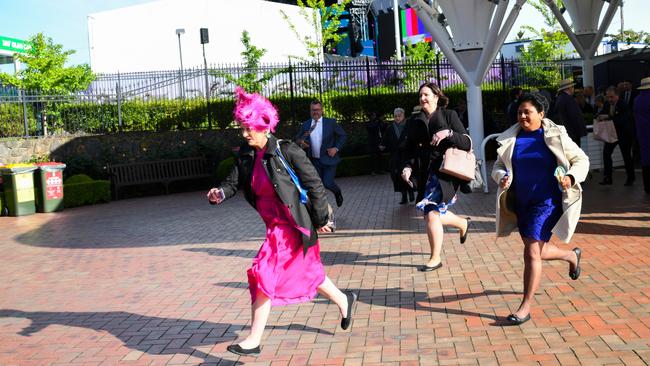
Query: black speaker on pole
point(204, 36)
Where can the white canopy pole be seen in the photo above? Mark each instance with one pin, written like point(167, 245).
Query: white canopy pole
point(474, 46)
point(398, 43)
point(585, 21)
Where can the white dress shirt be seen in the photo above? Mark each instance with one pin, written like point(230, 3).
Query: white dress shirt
point(316, 139)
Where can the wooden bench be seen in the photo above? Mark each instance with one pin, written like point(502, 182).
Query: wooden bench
point(160, 171)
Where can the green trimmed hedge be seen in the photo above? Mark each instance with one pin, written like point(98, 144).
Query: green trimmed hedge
point(224, 168)
point(357, 165)
point(79, 191)
point(171, 115)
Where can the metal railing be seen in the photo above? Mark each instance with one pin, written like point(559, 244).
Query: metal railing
point(170, 99)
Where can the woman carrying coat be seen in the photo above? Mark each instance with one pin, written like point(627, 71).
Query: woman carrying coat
point(429, 133)
point(287, 269)
point(539, 170)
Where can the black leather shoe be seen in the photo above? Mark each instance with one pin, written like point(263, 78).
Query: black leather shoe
point(575, 273)
point(464, 236)
point(236, 349)
point(426, 268)
point(352, 298)
point(515, 320)
point(339, 198)
point(606, 181)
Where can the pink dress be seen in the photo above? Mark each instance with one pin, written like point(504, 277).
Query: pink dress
point(280, 269)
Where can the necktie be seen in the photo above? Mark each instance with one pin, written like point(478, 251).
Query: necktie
point(313, 126)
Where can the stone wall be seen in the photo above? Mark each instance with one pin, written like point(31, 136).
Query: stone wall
point(89, 154)
point(16, 150)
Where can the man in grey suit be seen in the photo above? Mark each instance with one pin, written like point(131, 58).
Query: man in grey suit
point(323, 138)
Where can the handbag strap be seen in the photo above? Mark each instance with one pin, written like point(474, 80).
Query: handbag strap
point(292, 174)
point(471, 144)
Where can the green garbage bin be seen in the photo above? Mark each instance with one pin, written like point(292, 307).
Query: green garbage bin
point(3, 208)
point(18, 183)
point(48, 186)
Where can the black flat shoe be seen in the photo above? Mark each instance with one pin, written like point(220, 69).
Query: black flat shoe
point(575, 273)
point(515, 320)
point(339, 198)
point(464, 236)
point(236, 349)
point(426, 268)
point(352, 298)
point(411, 196)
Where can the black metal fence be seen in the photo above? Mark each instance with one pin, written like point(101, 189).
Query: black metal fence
point(175, 99)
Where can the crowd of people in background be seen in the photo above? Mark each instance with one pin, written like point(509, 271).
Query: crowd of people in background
point(572, 107)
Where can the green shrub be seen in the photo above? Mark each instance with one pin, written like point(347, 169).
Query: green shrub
point(78, 178)
point(357, 165)
point(224, 168)
point(86, 192)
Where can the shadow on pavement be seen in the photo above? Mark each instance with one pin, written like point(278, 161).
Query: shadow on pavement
point(148, 334)
point(328, 258)
point(407, 299)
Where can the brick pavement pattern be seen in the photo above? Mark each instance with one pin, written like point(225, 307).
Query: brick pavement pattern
point(161, 281)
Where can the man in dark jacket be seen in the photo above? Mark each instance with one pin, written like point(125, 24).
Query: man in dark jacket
point(375, 129)
point(625, 131)
point(567, 112)
point(323, 138)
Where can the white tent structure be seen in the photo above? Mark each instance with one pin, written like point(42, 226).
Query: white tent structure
point(477, 30)
point(586, 34)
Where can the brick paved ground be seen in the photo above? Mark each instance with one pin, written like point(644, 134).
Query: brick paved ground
point(161, 280)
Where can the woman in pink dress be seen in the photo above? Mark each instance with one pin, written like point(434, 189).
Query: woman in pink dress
point(287, 269)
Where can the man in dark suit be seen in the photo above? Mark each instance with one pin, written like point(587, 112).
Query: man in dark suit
point(624, 124)
point(323, 138)
point(567, 112)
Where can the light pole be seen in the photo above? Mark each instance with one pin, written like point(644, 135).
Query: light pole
point(205, 39)
point(180, 31)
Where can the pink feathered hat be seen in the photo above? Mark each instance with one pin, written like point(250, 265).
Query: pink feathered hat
point(254, 111)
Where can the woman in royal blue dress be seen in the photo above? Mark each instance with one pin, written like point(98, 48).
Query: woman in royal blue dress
point(539, 170)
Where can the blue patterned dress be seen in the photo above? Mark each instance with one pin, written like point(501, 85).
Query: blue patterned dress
point(538, 196)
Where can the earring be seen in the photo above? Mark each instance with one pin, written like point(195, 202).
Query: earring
point(268, 134)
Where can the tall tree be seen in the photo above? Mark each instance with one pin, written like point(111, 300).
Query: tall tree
point(549, 44)
point(253, 80)
point(45, 71)
point(631, 36)
point(325, 27)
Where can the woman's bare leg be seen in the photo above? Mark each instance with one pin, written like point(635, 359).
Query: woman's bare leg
point(551, 252)
point(532, 274)
point(451, 219)
point(330, 291)
point(435, 232)
point(260, 314)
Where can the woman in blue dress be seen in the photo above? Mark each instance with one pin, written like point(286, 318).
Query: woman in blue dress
point(539, 170)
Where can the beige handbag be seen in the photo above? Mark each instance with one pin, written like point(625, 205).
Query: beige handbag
point(605, 131)
point(459, 163)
